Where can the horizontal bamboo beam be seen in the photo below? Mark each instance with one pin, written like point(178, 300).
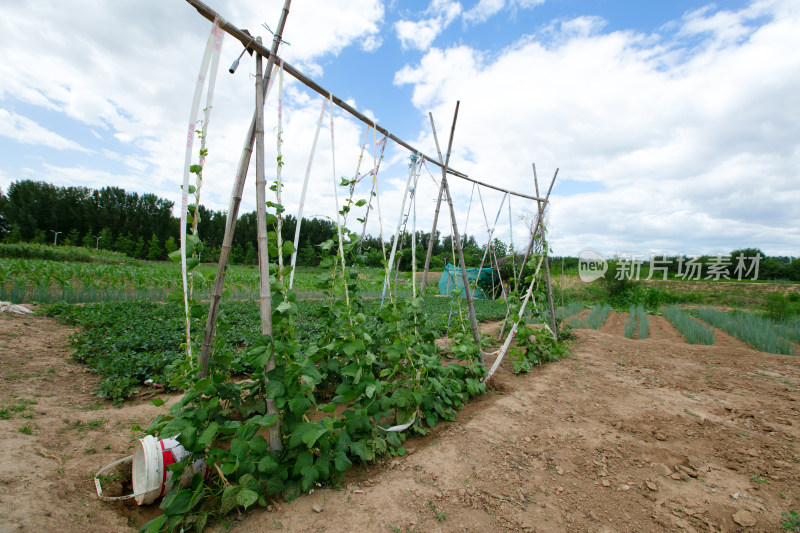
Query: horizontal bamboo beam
point(250, 44)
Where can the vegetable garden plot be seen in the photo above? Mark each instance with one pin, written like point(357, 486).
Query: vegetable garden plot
point(312, 406)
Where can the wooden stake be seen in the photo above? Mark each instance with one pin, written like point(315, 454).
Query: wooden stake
point(546, 260)
point(235, 202)
point(435, 221)
point(467, 290)
point(533, 234)
point(265, 292)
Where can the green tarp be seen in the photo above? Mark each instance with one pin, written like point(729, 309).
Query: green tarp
point(452, 279)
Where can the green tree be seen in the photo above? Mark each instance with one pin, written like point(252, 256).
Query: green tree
point(124, 244)
point(15, 235)
point(154, 250)
point(138, 248)
point(170, 244)
point(250, 257)
point(106, 241)
point(89, 240)
point(73, 238)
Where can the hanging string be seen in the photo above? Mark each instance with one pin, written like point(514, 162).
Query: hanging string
point(279, 207)
point(305, 189)
point(210, 59)
point(338, 216)
point(389, 264)
point(511, 241)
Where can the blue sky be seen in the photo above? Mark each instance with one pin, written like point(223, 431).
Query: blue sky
point(675, 125)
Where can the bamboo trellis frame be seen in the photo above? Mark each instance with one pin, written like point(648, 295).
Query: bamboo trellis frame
point(249, 43)
point(255, 137)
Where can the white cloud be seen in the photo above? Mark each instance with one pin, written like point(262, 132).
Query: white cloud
point(128, 70)
point(25, 130)
point(484, 9)
point(420, 35)
point(695, 151)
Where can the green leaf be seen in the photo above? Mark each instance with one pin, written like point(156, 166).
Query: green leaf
point(360, 449)
point(195, 169)
point(275, 389)
point(311, 436)
point(229, 499)
point(239, 448)
point(267, 465)
point(283, 307)
point(158, 402)
point(191, 263)
point(361, 203)
point(246, 498)
point(370, 390)
point(299, 404)
point(288, 247)
point(175, 256)
point(264, 420)
point(179, 504)
point(310, 475)
point(304, 460)
point(342, 462)
point(207, 437)
point(258, 445)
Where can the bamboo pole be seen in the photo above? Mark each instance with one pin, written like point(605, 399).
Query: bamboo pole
point(435, 221)
point(265, 292)
point(236, 198)
point(467, 290)
point(546, 261)
point(511, 334)
point(533, 233)
point(248, 42)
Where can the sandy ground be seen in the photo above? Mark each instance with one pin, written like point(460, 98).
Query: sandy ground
point(624, 435)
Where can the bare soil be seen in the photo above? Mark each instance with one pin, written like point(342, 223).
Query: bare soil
point(624, 435)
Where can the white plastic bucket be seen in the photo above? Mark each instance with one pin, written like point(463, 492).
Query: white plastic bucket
point(149, 474)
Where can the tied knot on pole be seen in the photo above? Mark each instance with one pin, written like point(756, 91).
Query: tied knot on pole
point(280, 38)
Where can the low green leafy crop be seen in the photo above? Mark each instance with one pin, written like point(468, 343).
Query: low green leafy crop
point(127, 343)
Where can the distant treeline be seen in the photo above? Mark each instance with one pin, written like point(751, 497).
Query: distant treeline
point(142, 226)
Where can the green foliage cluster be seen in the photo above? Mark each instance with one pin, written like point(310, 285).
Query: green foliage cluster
point(792, 522)
point(692, 330)
point(596, 317)
point(757, 331)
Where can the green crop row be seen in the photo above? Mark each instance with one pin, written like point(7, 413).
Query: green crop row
point(757, 331)
point(75, 281)
point(127, 343)
point(692, 330)
point(571, 309)
point(596, 317)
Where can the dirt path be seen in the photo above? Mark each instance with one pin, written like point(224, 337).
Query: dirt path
point(624, 435)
